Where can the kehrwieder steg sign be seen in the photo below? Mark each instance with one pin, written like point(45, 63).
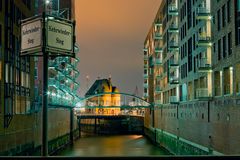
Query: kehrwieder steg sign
point(31, 36)
point(59, 36)
point(55, 35)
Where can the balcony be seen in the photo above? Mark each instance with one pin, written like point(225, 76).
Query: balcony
point(145, 75)
point(173, 45)
point(53, 82)
point(145, 57)
point(174, 80)
point(204, 39)
point(158, 61)
point(146, 64)
point(173, 28)
point(173, 100)
point(158, 75)
point(145, 95)
point(158, 50)
point(158, 102)
point(145, 85)
point(203, 13)
point(158, 89)
point(204, 66)
point(202, 94)
point(158, 23)
point(172, 10)
point(174, 62)
point(145, 49)
point(157, 36)
point(151, 62)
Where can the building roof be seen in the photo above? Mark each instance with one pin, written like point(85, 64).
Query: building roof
point(100, 86)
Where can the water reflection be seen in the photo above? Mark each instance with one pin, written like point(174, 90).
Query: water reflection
point(116, 145)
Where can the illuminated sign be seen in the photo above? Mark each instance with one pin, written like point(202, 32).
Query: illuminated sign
point(59, 36)
point(31, 35)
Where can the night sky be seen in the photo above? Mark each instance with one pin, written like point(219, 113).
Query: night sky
point(111, 34)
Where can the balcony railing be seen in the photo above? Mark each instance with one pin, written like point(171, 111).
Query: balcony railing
point(173, 45)
point(152, 62)
point(145, 57)
point(174, 80)
point(145, 75)
point(204, 65)
point(173, 28)
point(158, 102)
point(158, 61)
point(203, 13)
point(145, 95)
point(145, 85)
point(172, 9)
point(174, 99)
point(202, 93)
point(158, 49)
point(158, 75)
point(204, 39)
point(174, 62)
point(158, 89)
point(157, 36)
point(158, 23)
point(146, 65)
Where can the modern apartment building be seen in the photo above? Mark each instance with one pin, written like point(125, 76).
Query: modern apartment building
point(63, 71)
point(191, 74)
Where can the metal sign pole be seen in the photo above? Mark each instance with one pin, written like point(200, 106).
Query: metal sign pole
point(45, 95)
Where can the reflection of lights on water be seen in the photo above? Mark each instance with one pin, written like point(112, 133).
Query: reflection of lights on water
point(136, 136)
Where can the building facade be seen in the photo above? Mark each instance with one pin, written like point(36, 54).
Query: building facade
point(104, 86)
point(191, 74)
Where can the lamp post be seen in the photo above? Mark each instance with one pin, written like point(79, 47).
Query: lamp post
point(45, 90)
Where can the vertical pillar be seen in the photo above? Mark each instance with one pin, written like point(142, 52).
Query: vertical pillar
point(71, 125)
point(45, 96)
point(231, 80)
point(221, 83)
point(95, 125)
point(79, 127)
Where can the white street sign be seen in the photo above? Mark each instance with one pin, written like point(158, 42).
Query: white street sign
point(31, 35)
point(59, 35)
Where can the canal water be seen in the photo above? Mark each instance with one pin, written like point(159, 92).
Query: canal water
point(113, 145)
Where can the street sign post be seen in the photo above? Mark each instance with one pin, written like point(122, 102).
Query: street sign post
point(47, 36)
point(58, 35)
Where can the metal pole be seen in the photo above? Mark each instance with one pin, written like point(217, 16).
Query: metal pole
point(45, 96)
point(71, 125)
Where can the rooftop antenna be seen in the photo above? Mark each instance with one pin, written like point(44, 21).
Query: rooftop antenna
point(87, 78)
point(135, 93)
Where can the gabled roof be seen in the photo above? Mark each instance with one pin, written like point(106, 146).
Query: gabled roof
point(100, 86)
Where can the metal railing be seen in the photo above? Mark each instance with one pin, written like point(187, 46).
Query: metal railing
point(202, 92)
point(203, 63)
point(173, 99)
point(203, 10)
